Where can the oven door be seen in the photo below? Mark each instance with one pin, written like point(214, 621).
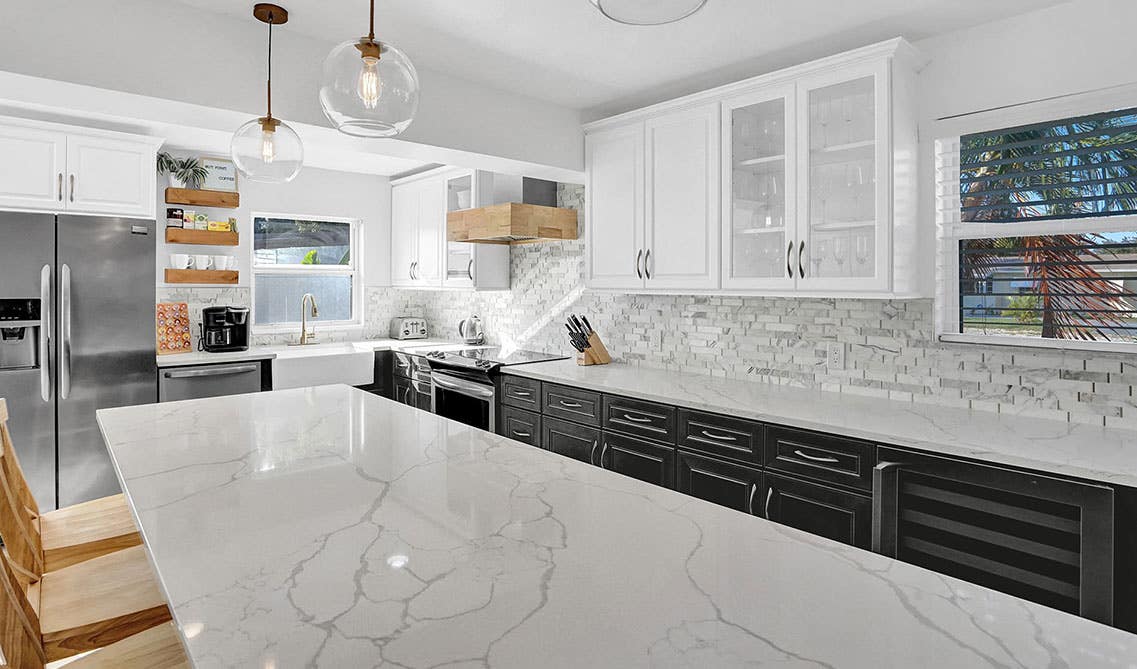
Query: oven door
point(463, 400)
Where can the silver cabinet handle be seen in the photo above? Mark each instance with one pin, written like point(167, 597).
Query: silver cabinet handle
point(59, 186)
point(636, 419)
point(523, 435)
point(470, 269)
point(750, 500)
point(800, 266)
point(639, 255)
point(467, 388)
point(414, 274)
point(592, 453)
point(603, 450)
point(718, 437)
point(766, 507)
point(521, 393)
point(211, 371)
point(45, 326)
point(816, 458)
point(411, 271)
point(885, 507)
point(72, 187)
point(65, 331)
point(647, 264)
point(571, 405)
point(789, 251)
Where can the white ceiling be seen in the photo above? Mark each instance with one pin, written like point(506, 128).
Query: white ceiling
point(565, 52)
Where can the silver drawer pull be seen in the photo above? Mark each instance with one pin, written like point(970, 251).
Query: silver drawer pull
point(719, 437)
point(816, 458)
point(523, 435)
point(522, 393)
point(637, 419)
point(212, 371)
point(571, 405)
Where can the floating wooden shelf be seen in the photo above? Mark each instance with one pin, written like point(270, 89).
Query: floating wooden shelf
point(184, 236)
point(223, 276)
point(203, 198)
point(511, 223)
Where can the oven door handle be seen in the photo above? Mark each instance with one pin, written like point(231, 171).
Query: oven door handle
point(468, 388)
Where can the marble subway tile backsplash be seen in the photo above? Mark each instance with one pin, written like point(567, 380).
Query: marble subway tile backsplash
point(891, 346)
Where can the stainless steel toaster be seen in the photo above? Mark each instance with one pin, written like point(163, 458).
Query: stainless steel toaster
point(408, 327)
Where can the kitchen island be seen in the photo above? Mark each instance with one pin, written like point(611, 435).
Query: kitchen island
point(330, 527)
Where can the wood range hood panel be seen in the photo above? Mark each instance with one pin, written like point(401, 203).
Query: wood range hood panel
point(511, 223)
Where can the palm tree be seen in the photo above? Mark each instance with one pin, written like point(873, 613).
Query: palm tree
point(1079, 168)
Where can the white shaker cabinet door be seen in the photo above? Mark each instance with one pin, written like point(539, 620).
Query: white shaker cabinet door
point(109, 176)
point(431, 233)
point(615, 215)
point(681, 228)
point(32, 166)
point(404, 232)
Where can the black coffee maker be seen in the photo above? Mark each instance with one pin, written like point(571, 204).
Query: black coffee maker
point(224, 329)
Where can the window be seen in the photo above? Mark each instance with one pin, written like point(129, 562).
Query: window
point(294, 256)
point(1038, 233)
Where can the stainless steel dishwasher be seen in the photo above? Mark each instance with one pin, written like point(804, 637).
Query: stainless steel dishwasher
point(197, 381)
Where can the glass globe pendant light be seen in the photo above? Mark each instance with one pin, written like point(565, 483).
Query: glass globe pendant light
point(266, 149)
point(369, 88)
point(648, 12)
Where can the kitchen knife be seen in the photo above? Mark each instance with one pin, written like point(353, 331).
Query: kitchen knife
point(588, 325)
point(579, 325)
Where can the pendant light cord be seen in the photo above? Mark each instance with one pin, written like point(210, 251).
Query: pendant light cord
point(371, 31)
point(270, 22)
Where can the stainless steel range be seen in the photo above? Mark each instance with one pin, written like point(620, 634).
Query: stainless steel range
point(464, 382)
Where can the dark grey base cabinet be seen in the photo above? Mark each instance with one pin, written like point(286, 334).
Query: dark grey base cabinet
point(578, 442)
point(818, 509)
point(638, 458)
point(401, 391)
point(522, 425)
point(724, 483)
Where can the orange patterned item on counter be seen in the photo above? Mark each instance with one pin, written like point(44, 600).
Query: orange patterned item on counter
point(172, 327)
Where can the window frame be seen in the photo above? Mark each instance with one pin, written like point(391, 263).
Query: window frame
point(354, 270)
point(946, 133)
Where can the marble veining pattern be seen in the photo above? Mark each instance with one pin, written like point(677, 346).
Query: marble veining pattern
point(1084, 451)
point(326, 527)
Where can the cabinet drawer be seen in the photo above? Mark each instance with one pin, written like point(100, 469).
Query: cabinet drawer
point(721, 435)
point(569, 439)
point(821, 456)
point(640, 459)
point(521, 392)
point(640, 418)
point(828, 512)
point(521, 425)
point(581, 406)
point(724, 483)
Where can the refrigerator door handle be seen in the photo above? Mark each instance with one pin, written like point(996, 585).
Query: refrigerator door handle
point(65, 331)
point(45, 333)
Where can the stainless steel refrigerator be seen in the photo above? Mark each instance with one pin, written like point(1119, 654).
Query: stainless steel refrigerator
point(76, 335)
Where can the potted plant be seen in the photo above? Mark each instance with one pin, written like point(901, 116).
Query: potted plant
point(182, 173)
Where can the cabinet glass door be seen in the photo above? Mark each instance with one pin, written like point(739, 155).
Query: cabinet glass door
point(845, 175)
point(758, 204)
point(459, 255)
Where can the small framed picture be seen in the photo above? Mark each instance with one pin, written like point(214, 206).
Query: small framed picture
point(221, 174)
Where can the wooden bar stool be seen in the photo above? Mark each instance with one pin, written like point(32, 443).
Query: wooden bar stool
point(82, 606)
point(71, 534)
point(22, 644)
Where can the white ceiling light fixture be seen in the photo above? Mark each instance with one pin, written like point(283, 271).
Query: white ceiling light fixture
point(369, 88)
point(266, 149)
point(648, 12)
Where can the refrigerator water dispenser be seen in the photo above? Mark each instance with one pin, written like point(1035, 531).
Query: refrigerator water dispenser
point(19, 333)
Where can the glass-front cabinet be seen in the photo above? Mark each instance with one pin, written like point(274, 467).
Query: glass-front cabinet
point(759, 169)
point(460, 190)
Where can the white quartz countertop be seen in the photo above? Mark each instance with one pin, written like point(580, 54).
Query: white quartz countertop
point(283, 350)
point(1097, 453)
point(328, 527)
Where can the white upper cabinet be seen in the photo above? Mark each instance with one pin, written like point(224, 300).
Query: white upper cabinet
point(681, 216)
point(808, 189)
point(468, 265)
point(431, 234)
point(404, 232)
point(52, 167)
point(615, 207)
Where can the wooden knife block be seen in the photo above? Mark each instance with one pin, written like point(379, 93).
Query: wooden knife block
point(595, 354)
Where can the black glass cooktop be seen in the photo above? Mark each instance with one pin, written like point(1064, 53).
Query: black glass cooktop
point(490, 358)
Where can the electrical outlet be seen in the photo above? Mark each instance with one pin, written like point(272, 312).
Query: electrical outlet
point(835, 355)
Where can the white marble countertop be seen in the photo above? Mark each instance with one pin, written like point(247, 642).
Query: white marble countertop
point(1097, 453)
point(277, 350)
point(328, 527)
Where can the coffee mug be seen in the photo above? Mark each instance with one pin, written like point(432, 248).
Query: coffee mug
point(181, 261)
point(203, 262)
point(224, 262)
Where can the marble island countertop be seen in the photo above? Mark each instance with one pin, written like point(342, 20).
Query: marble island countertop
point(329, 527)
point(1107, 455)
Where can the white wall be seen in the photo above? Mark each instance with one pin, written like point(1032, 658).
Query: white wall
point(168, 50)
point(313, 192)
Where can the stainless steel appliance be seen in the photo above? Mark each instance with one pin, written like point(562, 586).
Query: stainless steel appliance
point(224, 329)
point(463, 382)
point(92, 281)
point(215, 380)
point(471, 331)
point(408, 327)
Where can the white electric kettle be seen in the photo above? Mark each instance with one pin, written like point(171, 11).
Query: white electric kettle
point(471, 332)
